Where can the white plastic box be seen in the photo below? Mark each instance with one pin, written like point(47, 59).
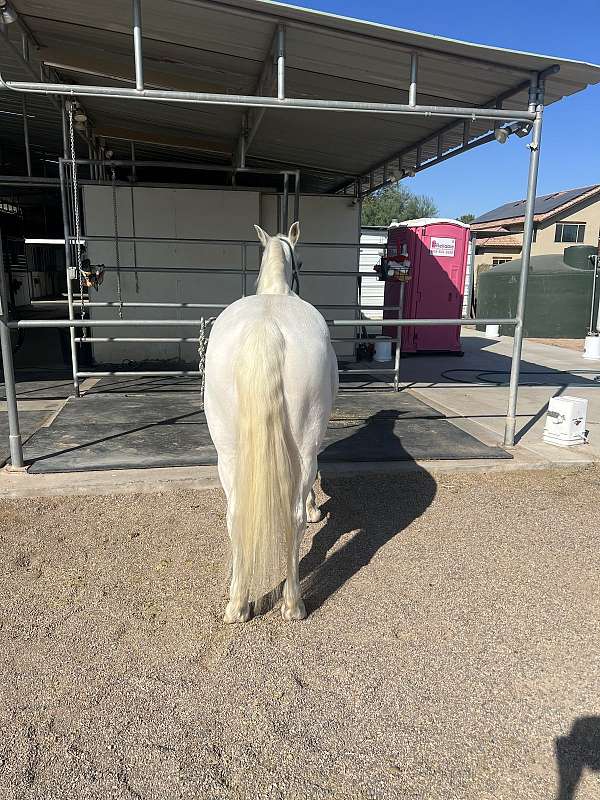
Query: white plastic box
point(565, 421)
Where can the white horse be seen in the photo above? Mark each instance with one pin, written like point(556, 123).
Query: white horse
point(271, 379)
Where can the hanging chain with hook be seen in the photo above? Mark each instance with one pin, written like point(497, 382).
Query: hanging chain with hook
point(202, 345)
point(76, 211)
point(117, 248)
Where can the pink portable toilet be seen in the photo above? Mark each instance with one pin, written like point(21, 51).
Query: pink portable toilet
point(437, 251)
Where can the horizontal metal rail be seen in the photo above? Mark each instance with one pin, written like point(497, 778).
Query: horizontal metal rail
point(147, 374)
point(166, 339)
point(191, 339)
point(367, 371)
point(225, 270)
point(187, 165)
point(116, 304)
point(255, 101)
point(359, 323)
point(103, 323)
point(136, 323)
point(220, 242)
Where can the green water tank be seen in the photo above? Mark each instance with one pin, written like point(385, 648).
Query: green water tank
point(559, 294)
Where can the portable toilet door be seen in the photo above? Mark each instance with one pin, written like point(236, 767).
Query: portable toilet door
point(438, 250)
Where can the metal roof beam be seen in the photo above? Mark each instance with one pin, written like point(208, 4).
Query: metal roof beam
point(22, 57)
point(300, 103)
point(494, 103)
point(252, 119)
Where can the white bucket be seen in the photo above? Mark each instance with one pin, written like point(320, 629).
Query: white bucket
point(492, 331)
point(591, 348)
point(383, 348)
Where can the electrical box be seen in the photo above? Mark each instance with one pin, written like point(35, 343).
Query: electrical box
point(565, 421)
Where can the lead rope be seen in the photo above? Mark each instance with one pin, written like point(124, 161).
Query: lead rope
point(117, 249)
point(202, 345)
point(76, 212)
point(295, 285)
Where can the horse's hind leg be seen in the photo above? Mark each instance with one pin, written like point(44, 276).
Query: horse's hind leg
point(293, 607)
point(313, 512)
point(238, 607)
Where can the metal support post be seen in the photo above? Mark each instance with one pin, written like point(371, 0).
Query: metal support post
point(26, 136)
point(536, 103)
point(14, 435)
point(25, 46)
point(591, 329)
point(412, 91)
point(468, 305)
point(281, 62)
point(68, 270)
point(244, 268)
point(398, 353)
point(285, 204)
point(297, 196)
point(90, 158)
point(137, 45)
point(133, 166)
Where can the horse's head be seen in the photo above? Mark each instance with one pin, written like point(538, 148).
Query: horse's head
point(279, 256)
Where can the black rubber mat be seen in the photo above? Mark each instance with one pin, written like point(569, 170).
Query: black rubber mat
point(39, 388)
point(123, 431)
point(29, 422)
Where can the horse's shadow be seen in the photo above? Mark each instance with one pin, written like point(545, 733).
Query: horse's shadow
point(578, 751)
point(364, 512)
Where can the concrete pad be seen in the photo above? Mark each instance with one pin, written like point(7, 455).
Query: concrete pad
point(474, 393)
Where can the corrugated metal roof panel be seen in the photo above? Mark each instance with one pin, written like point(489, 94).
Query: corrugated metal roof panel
point(221, 47)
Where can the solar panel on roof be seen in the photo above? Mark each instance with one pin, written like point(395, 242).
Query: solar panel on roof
point(543, 204)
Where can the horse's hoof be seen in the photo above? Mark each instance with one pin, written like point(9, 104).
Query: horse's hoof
point(236, 613)
point(293, 611)
point(314, 514)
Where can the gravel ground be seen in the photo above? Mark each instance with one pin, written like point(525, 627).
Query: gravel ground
point(570, 344)
point(452, 637)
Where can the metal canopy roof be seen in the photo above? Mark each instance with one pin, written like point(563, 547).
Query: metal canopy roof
point(223, 47)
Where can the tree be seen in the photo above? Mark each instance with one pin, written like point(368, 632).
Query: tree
point(467, 218)
point(396, 202)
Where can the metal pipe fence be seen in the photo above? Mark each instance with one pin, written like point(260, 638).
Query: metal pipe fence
point(532, 114)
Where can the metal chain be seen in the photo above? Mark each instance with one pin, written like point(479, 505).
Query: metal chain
point(76, 211)
point(117, 249)
point(202, 345)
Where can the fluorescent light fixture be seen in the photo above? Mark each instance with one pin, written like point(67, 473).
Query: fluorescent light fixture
point(49, 241)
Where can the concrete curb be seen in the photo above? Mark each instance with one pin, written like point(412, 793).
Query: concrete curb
point(13, 485)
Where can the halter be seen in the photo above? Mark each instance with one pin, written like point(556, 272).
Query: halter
point(296, 264)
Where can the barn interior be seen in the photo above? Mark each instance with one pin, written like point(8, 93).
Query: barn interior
point(141, 142)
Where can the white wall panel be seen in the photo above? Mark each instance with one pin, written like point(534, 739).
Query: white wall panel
point(181, 214)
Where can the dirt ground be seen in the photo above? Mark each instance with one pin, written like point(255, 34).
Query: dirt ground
point(570, 344)
point(451, 649)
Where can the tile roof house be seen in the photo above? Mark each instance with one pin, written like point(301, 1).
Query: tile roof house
point(560, 219)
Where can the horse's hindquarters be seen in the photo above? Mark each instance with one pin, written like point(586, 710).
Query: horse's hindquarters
point(308, 369)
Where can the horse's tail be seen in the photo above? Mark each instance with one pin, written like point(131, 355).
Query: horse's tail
point(266, 478)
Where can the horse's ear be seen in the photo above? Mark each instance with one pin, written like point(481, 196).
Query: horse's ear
point(262, 235)
point(294, 233)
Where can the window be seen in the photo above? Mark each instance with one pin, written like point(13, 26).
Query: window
point(496, 261)
point(569, 232)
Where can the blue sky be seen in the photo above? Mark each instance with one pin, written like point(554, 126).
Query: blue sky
point(494, 174)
